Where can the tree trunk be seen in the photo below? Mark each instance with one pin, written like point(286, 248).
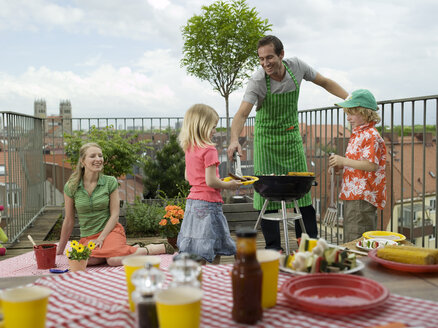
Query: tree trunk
point(227, 111)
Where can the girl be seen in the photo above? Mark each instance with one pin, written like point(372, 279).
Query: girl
point(204, 229)
point(95, 198)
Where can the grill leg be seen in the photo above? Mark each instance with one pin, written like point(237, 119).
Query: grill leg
point(285, 227)
point(303, 228)
point(265, 205)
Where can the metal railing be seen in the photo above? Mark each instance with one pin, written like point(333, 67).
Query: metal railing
point(22, 176)
point(408, 125)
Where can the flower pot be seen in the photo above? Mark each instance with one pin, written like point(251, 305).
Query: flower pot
point(172, 241)
point(76, 265)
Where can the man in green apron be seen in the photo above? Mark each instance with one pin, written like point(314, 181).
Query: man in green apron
point(278, 147)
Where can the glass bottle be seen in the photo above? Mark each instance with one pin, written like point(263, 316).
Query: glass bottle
point(246, 280)
point(147, 282)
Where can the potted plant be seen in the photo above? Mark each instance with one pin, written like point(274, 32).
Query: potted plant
point(170, 224)
point(78, 255)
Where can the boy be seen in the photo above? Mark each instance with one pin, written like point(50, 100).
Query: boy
point(364, 182)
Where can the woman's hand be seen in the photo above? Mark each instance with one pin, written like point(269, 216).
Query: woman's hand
point(98, 242)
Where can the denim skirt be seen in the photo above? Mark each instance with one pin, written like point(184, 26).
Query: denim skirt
point(204, 231)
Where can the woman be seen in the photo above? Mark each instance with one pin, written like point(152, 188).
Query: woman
point(95, 198)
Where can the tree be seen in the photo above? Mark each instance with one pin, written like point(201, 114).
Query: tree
point(165, 172)
point(220, 46)
point(120, 149)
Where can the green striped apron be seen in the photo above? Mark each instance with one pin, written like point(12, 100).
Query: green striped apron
point(278, 147)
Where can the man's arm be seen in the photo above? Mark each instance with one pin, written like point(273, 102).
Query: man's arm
point(237, 127)
point(331, 86)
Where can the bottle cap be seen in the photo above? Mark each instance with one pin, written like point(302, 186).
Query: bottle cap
point(246, 233)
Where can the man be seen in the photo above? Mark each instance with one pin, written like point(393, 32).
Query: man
point(278, 146)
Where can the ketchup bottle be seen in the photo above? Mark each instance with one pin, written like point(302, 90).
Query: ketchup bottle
point(246, 280)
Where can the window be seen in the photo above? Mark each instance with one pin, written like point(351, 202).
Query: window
point(432, 205)
point(2, 170)
point(13, 199)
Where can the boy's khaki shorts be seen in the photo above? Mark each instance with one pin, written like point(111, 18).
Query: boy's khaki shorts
point(359, 217)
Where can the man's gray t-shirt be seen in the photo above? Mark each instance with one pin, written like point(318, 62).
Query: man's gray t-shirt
point(256, 88)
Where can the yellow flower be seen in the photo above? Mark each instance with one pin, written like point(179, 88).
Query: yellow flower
point(91, 245)
point(67, 253)
point(74, 243)
point(80, 248)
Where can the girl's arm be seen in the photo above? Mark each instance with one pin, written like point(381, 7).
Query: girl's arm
point(114, 205)
point(338, 162)
point(214, 182)
point(67, 225)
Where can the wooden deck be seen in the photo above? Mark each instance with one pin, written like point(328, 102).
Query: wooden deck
point(45, 222)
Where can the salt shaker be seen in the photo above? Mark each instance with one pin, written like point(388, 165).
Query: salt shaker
point(185, 271)
point(147, 282)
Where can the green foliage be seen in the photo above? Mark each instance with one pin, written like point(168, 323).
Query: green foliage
point(407, 130)
point(142, 219)
point(121, 149)
point(165, 172)
point(220, 45)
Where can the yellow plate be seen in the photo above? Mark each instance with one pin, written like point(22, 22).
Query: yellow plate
point(384, 235)
point(253, 179)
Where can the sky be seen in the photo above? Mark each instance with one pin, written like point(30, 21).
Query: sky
point(121, 58)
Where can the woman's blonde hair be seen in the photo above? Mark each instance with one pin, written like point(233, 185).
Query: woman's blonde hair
point(78, 173)
point(198, 122)
point(368, 114)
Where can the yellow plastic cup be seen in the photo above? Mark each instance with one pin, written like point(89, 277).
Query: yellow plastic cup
point(179, 307)
point(134, 263)
point(270, 262)
point(25, 307)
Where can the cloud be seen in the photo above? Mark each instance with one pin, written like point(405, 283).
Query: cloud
point(122, 58)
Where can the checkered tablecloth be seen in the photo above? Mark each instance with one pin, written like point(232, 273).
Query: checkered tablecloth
point(99, 299)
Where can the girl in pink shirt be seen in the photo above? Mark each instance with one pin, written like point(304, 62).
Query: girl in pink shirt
point(204, 230)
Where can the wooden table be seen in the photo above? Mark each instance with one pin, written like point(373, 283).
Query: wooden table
point(419, 285)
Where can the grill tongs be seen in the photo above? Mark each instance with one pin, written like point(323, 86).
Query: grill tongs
point(238, 168)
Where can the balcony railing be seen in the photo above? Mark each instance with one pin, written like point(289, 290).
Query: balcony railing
point(409, 127)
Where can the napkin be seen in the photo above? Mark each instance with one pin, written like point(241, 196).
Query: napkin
point(390, 325)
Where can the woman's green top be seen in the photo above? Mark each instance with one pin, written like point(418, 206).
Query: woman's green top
point(93, 211)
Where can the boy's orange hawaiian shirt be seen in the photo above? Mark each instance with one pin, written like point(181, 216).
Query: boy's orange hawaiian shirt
point(365, 144)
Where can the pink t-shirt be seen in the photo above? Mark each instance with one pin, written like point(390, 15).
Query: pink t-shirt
point(197, 160)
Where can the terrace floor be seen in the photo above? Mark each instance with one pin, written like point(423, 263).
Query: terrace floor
point(45, 222)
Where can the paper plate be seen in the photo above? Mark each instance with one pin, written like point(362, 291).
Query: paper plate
point(382, 242)
point(402, 266)
point(253, 179)
point(394, 236)
point(359, 267)
point(326, 293)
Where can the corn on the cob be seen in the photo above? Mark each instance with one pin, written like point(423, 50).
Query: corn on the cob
point(433, 252)
point(397, 254)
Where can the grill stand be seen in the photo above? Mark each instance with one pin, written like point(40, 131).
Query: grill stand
point(284, 218)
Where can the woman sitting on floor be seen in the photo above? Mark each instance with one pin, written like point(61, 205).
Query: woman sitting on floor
point(95, 198)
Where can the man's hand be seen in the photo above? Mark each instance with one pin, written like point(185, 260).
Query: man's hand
point(233, 147)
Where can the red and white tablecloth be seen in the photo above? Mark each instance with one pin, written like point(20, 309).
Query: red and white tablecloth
point(99, 299)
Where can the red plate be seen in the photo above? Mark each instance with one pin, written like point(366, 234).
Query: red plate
point(402, 266)
point(334, 294)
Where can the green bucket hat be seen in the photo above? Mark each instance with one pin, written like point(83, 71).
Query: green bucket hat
point(360, 98)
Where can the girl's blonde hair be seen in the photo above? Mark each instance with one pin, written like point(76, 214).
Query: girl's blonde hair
point(368, 114)
point(78, 173)
point(198, 122)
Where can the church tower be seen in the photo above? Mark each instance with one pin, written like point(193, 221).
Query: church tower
point(65, 113)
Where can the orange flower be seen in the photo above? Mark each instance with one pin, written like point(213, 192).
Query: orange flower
point(174, 221)
point(163, 222)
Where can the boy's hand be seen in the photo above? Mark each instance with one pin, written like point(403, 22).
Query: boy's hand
point(336, 161)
